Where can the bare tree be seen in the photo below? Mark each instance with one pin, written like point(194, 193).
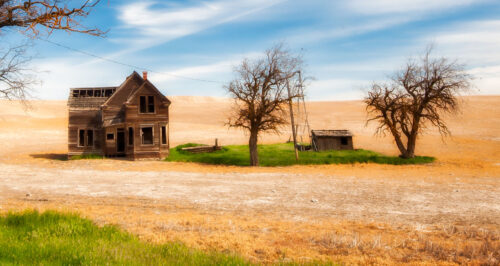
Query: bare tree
point(50, 14)
point(415, 98)
point(16, 79)
point(260, 94)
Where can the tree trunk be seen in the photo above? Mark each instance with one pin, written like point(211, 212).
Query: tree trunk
point(410, 147)
point(252, 145)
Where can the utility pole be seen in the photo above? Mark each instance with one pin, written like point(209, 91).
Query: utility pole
point(294, 133)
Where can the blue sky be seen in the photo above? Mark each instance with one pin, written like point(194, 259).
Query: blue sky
point(346, 44)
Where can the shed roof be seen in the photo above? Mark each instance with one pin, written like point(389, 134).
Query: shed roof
point(332, 133)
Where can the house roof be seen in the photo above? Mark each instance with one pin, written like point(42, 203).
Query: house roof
point(85, 98)
point(331, 133)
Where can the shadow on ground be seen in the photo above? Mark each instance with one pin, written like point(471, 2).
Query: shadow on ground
point(51, 156)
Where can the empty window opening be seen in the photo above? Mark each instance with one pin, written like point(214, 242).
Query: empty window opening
point(97, 93)
point(110, 136)
point(130, 136)
point(81, 138)
point(147, 135)
point(90, 93)
point(142, 104)
point(146, 104)
point(82, 93)
point(108, 93)
point(151, 104)
point(76, 93)
point(343, 140)
point(90, 137)
point(163, 135)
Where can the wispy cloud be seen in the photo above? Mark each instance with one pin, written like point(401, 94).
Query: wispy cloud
point(377, 7)
point(163, 22)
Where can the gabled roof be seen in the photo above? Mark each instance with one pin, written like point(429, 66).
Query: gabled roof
point(120, 95)
point(120, 88)
point(331, 133)
point(148, 83)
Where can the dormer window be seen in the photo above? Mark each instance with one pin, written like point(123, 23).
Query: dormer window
point(146, 104)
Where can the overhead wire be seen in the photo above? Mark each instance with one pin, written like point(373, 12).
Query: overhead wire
point(127, 65)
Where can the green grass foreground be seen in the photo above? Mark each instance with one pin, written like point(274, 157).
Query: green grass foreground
point(52, 238)
point(283, 155)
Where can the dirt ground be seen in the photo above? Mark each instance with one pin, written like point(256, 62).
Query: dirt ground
point(446, 212)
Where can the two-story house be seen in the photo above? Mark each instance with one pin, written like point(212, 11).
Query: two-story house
point(131, 120)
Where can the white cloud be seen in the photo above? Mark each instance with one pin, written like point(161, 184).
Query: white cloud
point(378, 7)
point(167, 23)
point(338, 32)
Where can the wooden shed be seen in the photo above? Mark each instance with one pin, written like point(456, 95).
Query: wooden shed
point(130, 120)
point(324, 140)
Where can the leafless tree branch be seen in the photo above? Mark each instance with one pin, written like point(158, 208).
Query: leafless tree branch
point(416, 97)
point(260, 93)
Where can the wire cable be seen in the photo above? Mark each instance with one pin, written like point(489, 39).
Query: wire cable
point(127, 65)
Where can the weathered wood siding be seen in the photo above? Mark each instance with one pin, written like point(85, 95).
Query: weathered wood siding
point(137, 120)
point(85, 119)
point(332, 143)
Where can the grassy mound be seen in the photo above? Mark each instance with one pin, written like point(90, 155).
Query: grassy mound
point(283, 155)
point(52, 238)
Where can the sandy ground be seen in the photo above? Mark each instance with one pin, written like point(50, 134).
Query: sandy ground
point(267, 214)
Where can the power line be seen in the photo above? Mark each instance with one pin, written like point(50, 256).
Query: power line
point(127, 65)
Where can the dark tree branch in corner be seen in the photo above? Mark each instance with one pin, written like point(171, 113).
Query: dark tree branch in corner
point(416, 97)
point(51, 14)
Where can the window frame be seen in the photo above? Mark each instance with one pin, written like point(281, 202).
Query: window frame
point(78, 141)
point(110, 133)
point(146, 101)
point(164, 134)
point(130, 141)
point(152, 126)
point(85, 137)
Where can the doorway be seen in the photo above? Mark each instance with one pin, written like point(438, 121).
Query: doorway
point(120, 140)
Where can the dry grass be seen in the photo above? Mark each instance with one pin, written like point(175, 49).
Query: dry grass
point(269, 240)
point(465, 233)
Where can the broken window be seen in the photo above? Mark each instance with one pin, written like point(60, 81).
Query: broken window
point(163, 135)
point(90, 137)
point(130, 136)
point(110, 136)
point(81, 138)
point(147, 135)
point(343, 140)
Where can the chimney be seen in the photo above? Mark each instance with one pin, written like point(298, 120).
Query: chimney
point(145, 75)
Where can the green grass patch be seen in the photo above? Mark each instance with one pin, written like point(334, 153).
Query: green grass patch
point(53, 238)
point(86, 157)
point(283, 155)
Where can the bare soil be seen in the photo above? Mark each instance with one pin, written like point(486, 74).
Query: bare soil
point(444, 212)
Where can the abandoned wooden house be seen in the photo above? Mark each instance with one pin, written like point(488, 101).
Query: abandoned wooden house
point(131, 120)
point(324, 140)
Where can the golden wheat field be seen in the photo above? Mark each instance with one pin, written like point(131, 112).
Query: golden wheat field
point(447, 212)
